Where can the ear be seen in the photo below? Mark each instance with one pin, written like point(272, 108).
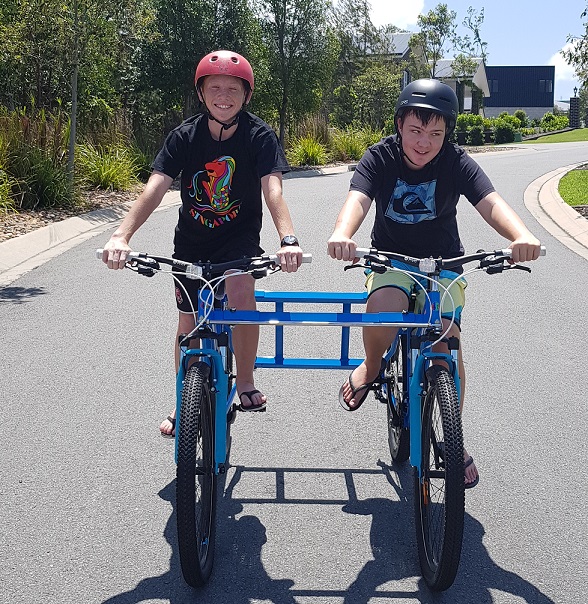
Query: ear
point(199, 93)
point(248, 96)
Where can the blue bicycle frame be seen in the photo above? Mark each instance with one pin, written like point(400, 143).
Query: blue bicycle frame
point(419, 359)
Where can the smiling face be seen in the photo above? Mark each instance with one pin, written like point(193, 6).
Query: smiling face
point(224, 96)
point(421, 142)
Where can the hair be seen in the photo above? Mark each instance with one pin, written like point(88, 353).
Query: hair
point(246, 85)
point(423, 115)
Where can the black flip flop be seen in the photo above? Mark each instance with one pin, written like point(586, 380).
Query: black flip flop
point(367, 387)
point(172, 421)
point(251, 407)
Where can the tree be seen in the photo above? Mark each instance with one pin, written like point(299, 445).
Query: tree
point(437, 31)
point(577, 55)
point(473, 46)
point(375, 93)
point(300, 55)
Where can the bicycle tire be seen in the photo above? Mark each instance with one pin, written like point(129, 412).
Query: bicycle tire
point(398, 434)
point(196, 481)
point(439, 493)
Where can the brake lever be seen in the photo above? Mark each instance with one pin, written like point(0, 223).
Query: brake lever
point(495, 269)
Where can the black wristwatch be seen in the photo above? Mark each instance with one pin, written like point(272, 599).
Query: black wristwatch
point(289, 240)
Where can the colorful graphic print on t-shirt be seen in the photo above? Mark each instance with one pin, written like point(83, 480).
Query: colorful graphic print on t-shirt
point(211, 190)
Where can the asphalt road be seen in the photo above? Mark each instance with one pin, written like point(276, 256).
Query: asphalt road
point(312, 512)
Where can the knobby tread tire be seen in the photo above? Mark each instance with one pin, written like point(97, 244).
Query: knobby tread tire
point(196, 480)
point(398, 436)
point(440, 500)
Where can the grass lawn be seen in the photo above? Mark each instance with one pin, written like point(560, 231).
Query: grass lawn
point(573, 136)
point(573, 187)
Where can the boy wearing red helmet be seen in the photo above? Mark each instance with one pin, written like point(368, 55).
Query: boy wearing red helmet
point(228, 158)
point(416, 178)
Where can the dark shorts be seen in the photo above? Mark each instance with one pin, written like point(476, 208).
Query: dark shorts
point(243, 248)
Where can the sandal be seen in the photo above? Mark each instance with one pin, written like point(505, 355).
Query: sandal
point(366, 387)
point(172, 421)
point(251, 406)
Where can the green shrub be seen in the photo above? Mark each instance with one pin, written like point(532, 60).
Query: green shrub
point(307, 151)
point(522, 117)
point(37, 181)
point(503, 131)
point(550, 122)
point(475, 136)
point(347, 145)
point(6, 201)
point(106, 167)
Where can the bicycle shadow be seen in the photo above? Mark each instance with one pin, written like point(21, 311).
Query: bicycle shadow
point(239, 540)
point(240, 576)
point(393, 546)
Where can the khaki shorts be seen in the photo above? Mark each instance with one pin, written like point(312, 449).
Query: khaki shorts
point(407, 284)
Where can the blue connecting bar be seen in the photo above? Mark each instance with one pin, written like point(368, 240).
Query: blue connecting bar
point(344, 319)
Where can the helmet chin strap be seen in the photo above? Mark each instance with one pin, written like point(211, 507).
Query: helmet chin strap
point(224, 125)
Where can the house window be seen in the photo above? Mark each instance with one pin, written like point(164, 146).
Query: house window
point(546, 85)
point(493, 85)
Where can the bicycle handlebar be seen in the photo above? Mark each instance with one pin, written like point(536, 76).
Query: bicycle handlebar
point(195, 270)
point(433, 265)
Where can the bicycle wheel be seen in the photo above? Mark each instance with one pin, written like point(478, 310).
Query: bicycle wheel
point(439, 493)
point(196, 480)
point(398, 435)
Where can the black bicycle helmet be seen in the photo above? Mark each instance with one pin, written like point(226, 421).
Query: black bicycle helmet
point(432, 95)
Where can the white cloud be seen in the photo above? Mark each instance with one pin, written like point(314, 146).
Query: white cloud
point(400, 13)
point(563, 70)
point(565, 78)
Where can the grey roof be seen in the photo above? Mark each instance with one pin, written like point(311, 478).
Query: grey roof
point(443, 68)
point(399, 43)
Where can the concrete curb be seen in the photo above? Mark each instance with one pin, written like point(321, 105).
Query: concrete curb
point(543, 200)
point(25, 253)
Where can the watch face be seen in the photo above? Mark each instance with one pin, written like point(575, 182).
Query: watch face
point(289, 240)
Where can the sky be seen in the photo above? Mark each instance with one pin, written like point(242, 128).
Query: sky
point(523, 32)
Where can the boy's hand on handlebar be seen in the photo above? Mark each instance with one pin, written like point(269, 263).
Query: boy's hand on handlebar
point(341, 248)
point(289, 258)
point(115, 253)
point(525, 249)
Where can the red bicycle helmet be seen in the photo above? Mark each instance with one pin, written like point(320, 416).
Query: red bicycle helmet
point(225, 62)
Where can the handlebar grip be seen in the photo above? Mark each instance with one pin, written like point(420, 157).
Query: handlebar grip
point(507, 252)
point(129, 255)
point(361, 252)
point(306, 258)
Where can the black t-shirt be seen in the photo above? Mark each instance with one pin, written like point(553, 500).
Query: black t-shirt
point(416, 210)
point(221, 212)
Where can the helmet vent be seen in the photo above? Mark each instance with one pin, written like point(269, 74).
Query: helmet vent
point(421, 94)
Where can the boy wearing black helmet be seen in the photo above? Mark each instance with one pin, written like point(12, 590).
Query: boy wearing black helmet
point(228, 158)
point(416, 178)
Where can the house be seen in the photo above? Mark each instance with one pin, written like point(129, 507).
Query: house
point(399, 50)
point(528, 88)
point(470, 98)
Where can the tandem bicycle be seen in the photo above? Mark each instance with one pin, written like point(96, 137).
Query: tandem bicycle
point(418, 385)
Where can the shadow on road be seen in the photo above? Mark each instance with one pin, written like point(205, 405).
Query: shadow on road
point(19, 295)
point(239, 576)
